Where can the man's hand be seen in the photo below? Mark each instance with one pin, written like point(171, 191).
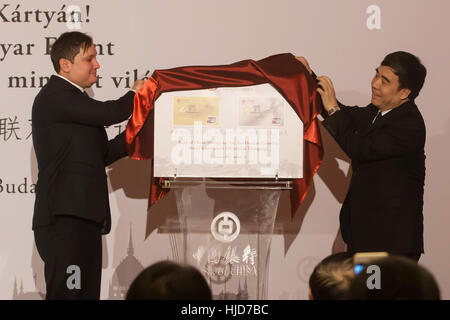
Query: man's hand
point(138, 84)
point(305, 63)
point(327, 93)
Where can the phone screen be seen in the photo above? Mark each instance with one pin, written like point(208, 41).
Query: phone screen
point(358, 268)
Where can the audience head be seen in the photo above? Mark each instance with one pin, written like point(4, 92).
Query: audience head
point(168, 280)
point(331, 277)
point(400, 278)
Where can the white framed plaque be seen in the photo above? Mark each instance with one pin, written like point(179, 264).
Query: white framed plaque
point(232, 132)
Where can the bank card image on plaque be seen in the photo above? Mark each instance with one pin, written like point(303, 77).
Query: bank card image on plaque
point(261, 112)
point(189, 110)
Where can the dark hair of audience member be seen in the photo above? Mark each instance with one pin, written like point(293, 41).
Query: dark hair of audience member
point(400, 279)
point(331, 277)
point(168, 280)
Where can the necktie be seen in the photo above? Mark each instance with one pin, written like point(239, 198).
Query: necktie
point(378, 116)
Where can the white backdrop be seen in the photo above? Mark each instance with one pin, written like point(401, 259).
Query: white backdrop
point(345, 40)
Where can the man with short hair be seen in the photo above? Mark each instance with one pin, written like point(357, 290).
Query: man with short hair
point(168, 280)
point(398, 278)
point(331, 278)
point(385, 140)
point(72, 149)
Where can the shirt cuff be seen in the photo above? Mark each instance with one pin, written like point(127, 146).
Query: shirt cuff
point(320, 117)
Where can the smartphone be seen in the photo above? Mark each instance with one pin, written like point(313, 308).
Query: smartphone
point(363, 259)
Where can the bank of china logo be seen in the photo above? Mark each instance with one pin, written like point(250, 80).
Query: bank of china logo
point(225, 227)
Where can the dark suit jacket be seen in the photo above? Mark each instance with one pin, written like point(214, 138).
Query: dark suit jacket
point(72, 150)
point(383, 207)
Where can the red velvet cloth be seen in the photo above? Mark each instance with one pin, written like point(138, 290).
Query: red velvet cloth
point(283, 71)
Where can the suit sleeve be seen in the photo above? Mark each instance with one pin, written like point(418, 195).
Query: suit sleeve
point(395, 138)
point(116, 149)
point(78, 108)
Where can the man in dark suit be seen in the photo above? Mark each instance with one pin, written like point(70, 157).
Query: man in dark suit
point(72, 149)
point(385, 140)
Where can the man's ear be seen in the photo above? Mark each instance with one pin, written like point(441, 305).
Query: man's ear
point(404, 93)
point(65, 65)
